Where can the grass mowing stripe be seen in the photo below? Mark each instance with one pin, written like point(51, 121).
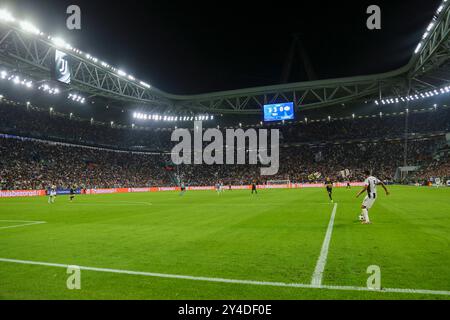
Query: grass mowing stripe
point(322, 261)
point(235, 281)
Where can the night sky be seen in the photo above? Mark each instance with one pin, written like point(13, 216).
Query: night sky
point(190, 47)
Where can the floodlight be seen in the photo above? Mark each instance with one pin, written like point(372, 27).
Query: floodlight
point(26, 26)
point(418, 47)
point(144, 84)
point(59, 42)
point(6, 16)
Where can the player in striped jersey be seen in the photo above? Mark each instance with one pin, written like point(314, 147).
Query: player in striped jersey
point(370, 186)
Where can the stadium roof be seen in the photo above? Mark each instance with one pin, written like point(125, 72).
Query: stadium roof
point(26, 48)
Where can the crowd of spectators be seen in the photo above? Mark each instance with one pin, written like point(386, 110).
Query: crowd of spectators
point(26, 164)
point(328, 148)
point(37, 165)
point(39, 123)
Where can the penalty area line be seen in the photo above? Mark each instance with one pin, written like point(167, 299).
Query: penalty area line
point(232, 281)
point(23, 224)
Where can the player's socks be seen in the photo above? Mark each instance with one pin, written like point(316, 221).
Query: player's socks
point(365, 214)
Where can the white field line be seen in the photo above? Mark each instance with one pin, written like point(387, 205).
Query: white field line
point(23, 223)
point(316, 279)
point(234, 281)
point(116, 203)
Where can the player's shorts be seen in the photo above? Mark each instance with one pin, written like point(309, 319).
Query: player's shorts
point(52, 194)
point(330, 189)
point(368, 202)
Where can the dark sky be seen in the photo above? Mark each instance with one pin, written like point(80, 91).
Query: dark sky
point(195, 47)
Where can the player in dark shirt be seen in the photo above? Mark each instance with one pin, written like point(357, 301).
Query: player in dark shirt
point(329, 187)
point(254, 187)
point(72, 193)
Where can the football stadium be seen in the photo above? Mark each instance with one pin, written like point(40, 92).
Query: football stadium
point(311, 187)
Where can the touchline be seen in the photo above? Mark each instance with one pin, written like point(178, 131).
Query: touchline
point(236, 147)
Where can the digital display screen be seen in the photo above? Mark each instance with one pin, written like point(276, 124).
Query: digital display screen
point(279, 111)
point(62, 68)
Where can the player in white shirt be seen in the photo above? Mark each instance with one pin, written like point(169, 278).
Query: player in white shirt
point(52, 194)
point(219, 188)
point(370, 186)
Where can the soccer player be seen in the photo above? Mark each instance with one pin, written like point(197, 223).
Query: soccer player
point(370, 186)
point(254, 187)
point(349, 185)
point(329, 187)
point(72, 193)
point(218, 188)
point(183, 189)
point(52, 194)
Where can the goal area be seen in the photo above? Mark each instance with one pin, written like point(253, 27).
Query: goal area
point(278, 183)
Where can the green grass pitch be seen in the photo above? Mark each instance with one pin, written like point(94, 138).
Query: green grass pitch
point(275, 236)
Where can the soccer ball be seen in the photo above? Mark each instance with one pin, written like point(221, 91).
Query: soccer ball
point(361, 217)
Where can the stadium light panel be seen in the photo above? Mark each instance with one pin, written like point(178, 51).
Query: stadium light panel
point(59, 42)
point(28, 27)
point(145, 84)
point(6, 16)
point(418, 47)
